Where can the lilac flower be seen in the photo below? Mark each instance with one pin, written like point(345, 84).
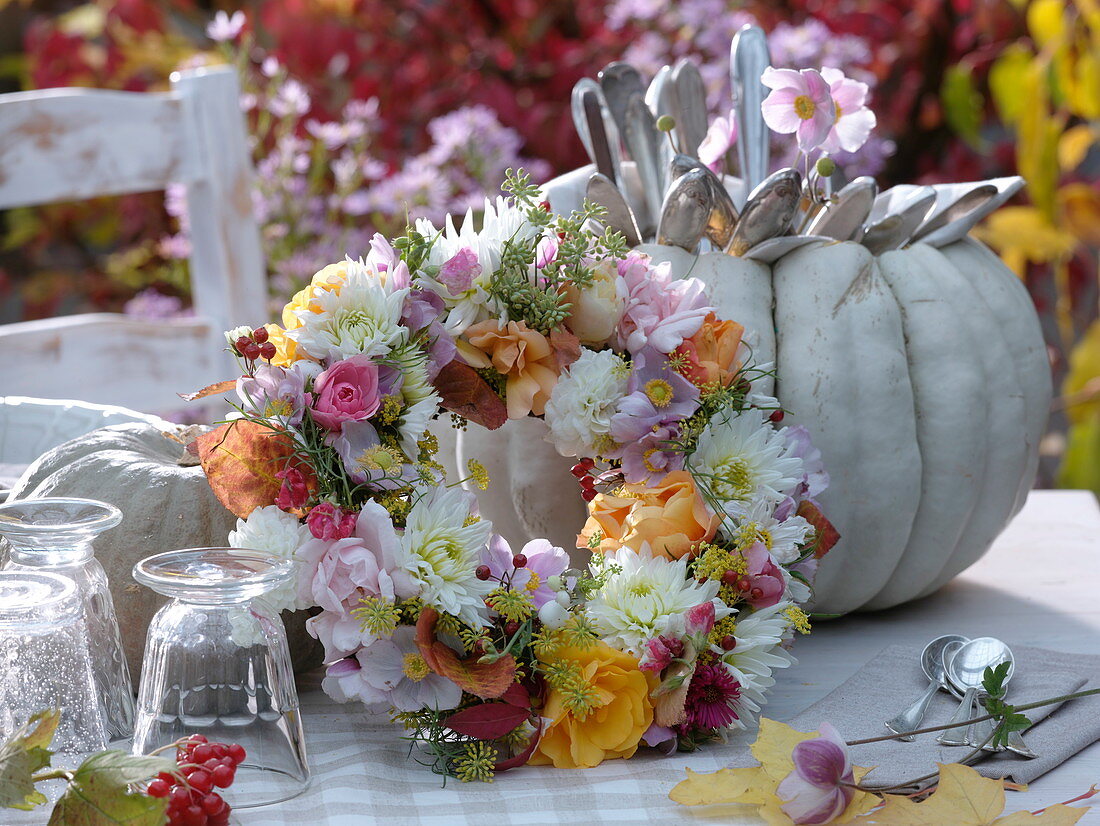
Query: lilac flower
point(661, 738)
point(290, 99)
point(813, 793)
point(224, 28)
point(543, 562)
point(151, 305)
point(654, 454)
point(366, 460)
point(275, 393)
point(799, 103)
point(658, 395)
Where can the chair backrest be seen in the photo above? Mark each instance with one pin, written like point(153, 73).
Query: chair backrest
point(73, 144)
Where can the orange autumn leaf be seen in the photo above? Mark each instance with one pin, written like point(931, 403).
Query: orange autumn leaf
point(826, 534)
point(240, 460)
point(215, 389)
point(485, 680)
point(466, 393)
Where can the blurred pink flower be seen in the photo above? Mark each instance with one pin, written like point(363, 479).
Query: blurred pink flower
point(799, 103)
point(721, 135)
point(458, 272)
point(224, 27)
point(813, 793)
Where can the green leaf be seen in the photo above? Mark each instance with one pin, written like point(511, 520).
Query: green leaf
point(962, 103)
point(99, 793)
point(1007, 77)
point(23, 755)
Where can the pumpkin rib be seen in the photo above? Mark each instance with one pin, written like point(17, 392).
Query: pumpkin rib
point(843, 373)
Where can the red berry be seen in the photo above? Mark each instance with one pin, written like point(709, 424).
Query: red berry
point(728, 642)
point(756, 593)
point(202, 753)
point(519, 561)
point(579, 470)
point(483, 572)
point(211, 764)
point(776, 416)
point(251, 351)
point(198, 738)
point(237, 752)
point(223, 776)
point(511, 627)
point(200, 780)
point(158, 788)
point(730, 578)
point(587, 463)
point(220, 750)
point(193, 815)
point(180, 796)
point(213, 804)
point(588, 494)
point(743, 386)
point(587, 482)
point(259, 335)
point(743, 584)
point(220, 819)
point(267, 350)
point(241, 343)
point(167, 777)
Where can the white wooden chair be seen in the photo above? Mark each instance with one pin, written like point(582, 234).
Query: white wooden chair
point(73, 144)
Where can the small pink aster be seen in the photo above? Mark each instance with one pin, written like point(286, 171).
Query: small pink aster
point(799, 103)
point(712, 698)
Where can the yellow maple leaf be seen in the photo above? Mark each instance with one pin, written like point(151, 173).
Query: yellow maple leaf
point(964, 798)
point(757, 786)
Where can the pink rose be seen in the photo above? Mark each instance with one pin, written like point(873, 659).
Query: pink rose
point(295, 489)
point(328, 522)
point(346, 392)
point(700, 619)
point(458, 272)
point(659, 652)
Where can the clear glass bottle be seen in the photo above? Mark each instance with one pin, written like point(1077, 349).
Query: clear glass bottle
point(56, 535)
point(217, 663)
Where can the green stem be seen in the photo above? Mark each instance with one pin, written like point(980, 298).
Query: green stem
point(54, 774)
point(1063, 698)
point(882, 790)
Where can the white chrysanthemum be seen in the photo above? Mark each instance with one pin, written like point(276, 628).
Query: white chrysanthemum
point(501, 222)
point(445, 553)
point(758, 524)
point(277, 532)
point(756, 654)
point(418, 393)
point(364, 317)
point(741, 460)
point(647, 597)
point(583, 401)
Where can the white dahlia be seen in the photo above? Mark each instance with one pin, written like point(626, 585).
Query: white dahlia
point(583, 401)
point(363, 317)
point(445, 553)
point(647, 597)
point(758, 524)
point(740, 459)
point(757, 653)
point(277, 532)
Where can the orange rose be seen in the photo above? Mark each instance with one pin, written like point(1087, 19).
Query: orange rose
point(520, 353)
point(711, 354)
point(671, 517)
point(602, 718)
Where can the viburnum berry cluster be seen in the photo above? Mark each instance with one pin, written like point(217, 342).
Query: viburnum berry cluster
point(255, 345)
point(203, 767)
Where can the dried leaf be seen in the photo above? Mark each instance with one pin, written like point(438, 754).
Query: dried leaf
point(826, 534)
point(567, 347)
point(965, 798)
point(240, 460)
point(517, 695)
point(525, 755)
point(487, 721)
point(466, 393)
point(722, 786)
point(215, 389)
point(488, 681)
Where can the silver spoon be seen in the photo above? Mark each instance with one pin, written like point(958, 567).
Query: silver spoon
point(619, 215)
point(603, 152)
point(691, 106)
point(844, 218)
point(894, 230)
point(965, 669)
point(642, 141)
point(961, 209)
point(749, 57)
point(768, 211)
point(686, 211)
point(977, 734)
point(932, 662)
point(620, 82)
point(724, 217)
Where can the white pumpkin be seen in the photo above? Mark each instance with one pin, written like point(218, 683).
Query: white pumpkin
point(166, 504)
point(922, 377)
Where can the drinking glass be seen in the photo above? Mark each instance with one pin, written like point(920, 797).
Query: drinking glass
point(45, 660)
point(217, 663)
point(56, 534)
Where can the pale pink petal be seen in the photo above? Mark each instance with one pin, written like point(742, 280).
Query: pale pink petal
point(832, 75)
point(782, 78)
point(849, 95)
point(720, 137)
point(853, 129)
point(812, 132)
point(778, 111)
point(815, 85)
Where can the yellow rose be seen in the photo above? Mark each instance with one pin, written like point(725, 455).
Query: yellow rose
point(670, 517)
point(596, 309)
point(598, 717)
point(330, 279)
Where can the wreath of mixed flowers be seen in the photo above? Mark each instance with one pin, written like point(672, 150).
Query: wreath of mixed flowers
point(703, 529)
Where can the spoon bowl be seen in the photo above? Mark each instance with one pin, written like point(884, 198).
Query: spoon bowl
point(932, 661)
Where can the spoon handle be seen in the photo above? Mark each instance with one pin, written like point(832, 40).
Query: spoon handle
point(911, 717)
point(978, 733)
point(957, 736)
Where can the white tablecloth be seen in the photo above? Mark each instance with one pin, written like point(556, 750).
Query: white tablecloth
point(1037, 586)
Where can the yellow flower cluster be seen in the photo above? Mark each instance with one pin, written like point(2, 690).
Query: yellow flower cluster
point(712, 562)
point(798, 618)
point(478, 762)
point(478, 473)
point(514, 606)
point(379, 616)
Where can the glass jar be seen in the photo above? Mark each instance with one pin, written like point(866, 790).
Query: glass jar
point(55, 535)
point(217, 664)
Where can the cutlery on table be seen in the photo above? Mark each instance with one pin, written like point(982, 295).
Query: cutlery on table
point(843, 218)
point(932, 663)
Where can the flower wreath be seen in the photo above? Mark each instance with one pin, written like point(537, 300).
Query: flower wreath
point(702, 523)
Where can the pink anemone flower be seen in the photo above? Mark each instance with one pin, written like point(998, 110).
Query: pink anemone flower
point(799, 103)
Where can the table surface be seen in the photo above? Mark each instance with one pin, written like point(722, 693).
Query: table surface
point(1035, 587)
